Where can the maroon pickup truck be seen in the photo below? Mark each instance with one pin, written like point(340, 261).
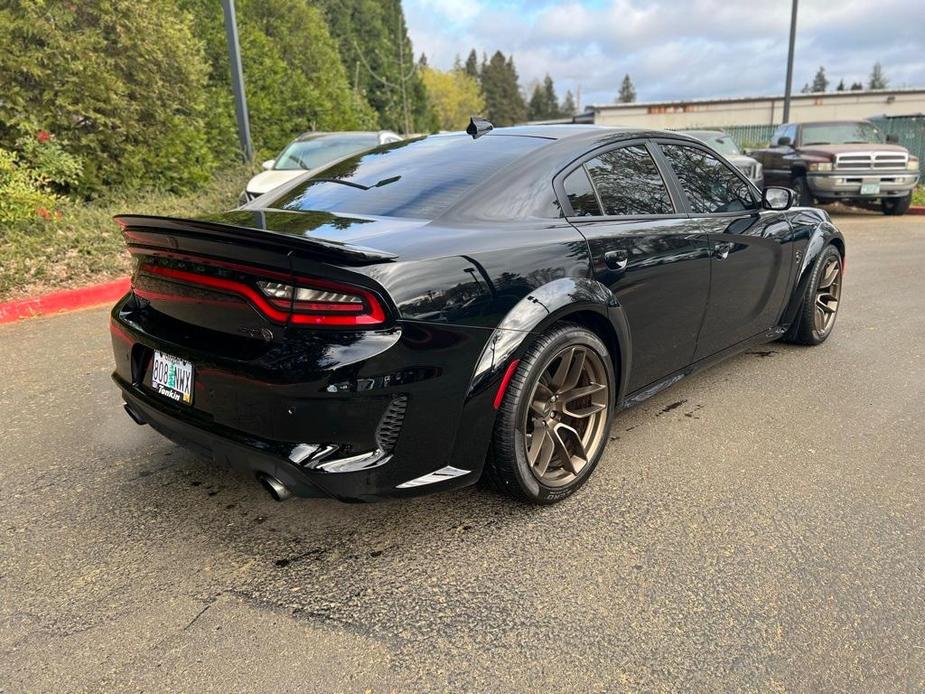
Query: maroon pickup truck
point(840, 160)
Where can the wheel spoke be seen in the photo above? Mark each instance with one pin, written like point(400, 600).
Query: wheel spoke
point(826, 307)
point(585, 411)
point(820, 318)
point(830, 275)
point(576, 393)
point(569, 370)
point(573, 462)
point(542, 453)
point(537, 439)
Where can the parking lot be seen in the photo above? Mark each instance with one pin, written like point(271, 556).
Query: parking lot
point(759, 526)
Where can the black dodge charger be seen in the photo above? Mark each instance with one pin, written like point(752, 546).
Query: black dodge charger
point(461, 307)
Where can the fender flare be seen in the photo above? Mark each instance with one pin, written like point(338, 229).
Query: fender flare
point(544, 306)
point(824, 234)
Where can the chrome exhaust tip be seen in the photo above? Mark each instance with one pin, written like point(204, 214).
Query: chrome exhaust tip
point(278, 490)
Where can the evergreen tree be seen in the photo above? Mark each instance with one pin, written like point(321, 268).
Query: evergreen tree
point(877, 79)
point(286, 49)
point(536, 108)
point(568, 108)
point(805, 89)
point(841, 86)
point(627, 93)
point(856, 86)
point(820, 81)
point(377, 53)
point(552, 101)
point(503, 100)
point(472, 64)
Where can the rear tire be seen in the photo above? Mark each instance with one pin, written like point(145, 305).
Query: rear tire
point(896, 206)
point(554, 421)
point(817, 314)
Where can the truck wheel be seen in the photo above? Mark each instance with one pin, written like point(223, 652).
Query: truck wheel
point(804, 197)
point(896, 206)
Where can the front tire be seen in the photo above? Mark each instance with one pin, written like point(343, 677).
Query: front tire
point(896, 206)
point(804, 196)
point(554, 422)
point(817, 314)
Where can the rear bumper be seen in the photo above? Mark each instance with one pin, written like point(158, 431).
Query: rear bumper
point(358, 421)
point(848, 184)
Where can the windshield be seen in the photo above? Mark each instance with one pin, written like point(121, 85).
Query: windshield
point(840, 134)
point(310, 154)
point(415, 178)
point(723, 144)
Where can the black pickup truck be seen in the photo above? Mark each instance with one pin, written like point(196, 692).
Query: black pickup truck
point(840, 160)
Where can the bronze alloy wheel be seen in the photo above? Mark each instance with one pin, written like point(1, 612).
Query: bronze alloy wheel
point(828, 293)
point(567, 417)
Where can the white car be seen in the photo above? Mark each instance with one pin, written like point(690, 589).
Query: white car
point(310, 151)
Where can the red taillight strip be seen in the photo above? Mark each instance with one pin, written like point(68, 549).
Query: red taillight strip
point(374, 315)
point(508, 375)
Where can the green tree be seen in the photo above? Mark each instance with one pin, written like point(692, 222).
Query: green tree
point(820, 81)
point(120, 84)
point(375, 47)
point(503, 101)
point(877, 79)
point(544, 104)
point(293, 75)
point(472, 64)
point(841, 86)
point(454, 96)
point(568, 108)
point(627, 93)
point(856, 86)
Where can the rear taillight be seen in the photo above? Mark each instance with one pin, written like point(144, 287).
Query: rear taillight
point(320, 302)
point(309, 302)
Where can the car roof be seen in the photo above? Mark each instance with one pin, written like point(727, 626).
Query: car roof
point(578, 133)
point(698, 133)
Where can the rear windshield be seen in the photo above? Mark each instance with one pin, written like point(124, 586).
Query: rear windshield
point(416, 178)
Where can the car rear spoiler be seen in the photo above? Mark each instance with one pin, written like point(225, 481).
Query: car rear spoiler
point(149, 230)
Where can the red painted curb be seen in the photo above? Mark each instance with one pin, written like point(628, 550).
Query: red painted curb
point(917, 209)
point(67, 300)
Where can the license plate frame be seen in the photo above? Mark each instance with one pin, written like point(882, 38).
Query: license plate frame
point(870, 189)
point(172, 377)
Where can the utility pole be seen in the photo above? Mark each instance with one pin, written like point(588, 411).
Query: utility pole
point(237, 80)
point(793, 36)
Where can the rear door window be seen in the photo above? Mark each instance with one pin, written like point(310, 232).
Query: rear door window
point(629, 183)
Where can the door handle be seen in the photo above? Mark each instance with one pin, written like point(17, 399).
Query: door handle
point(721, 250)
point(616, 260)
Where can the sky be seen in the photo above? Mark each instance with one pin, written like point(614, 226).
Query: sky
point(677, 49)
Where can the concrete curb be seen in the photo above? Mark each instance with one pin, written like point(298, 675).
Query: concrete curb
point(67, 300)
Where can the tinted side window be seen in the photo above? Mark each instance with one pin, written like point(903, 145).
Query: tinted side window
point(629, 183)
point(580, 193)
point(710, 186)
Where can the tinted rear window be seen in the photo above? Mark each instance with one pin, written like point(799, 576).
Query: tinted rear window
point(417, 178)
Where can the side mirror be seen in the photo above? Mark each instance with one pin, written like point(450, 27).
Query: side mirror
point(784, 141)
point(268, 164)
point(778, 199)
point(892, 138)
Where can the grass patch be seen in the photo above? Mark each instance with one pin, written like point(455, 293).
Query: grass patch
point(86, 246)
point(918, 195)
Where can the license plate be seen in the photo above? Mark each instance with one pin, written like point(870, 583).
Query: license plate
point(172, 377)
point(870, 188)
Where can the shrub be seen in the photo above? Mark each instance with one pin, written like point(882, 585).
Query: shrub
point(23, 192)
point(120, 82)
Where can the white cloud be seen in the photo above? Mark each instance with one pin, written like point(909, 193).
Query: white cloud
point(677, 48)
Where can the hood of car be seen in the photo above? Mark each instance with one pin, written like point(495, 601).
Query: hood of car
point(266, 181)
point(741, 160)
point(831, 150)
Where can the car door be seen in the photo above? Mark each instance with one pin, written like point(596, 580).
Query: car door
point(751, 248)
point(644, 248)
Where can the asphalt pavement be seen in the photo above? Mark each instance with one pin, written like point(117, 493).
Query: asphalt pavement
point(759, 526)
